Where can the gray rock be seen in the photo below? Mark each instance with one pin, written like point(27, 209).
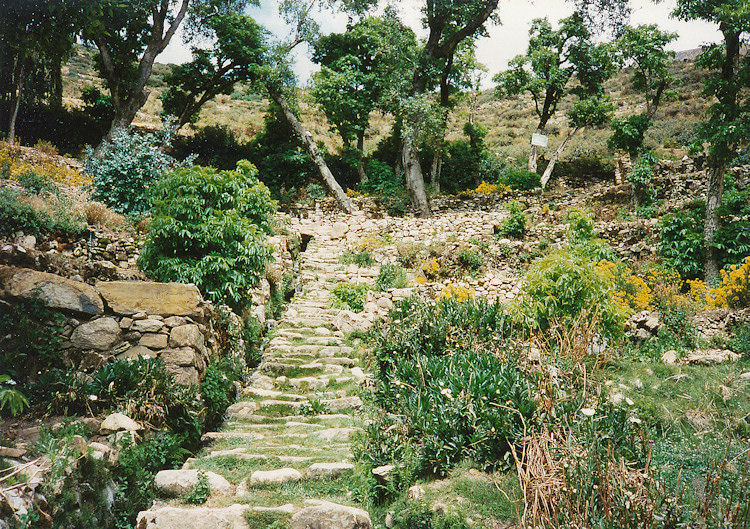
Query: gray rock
point(179, 482)
point(327, 515)
point(282, 475)
point(186, 336)
point(167, 517)
point(154, 340)
point(119, 422)
point(100, 334)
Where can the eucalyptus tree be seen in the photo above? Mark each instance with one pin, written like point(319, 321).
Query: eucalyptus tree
point(727, 125)
point(236, 55)
point(449, 23)
point(130, 34)
point(644, 50)
point(553, 59)
point(358, 68)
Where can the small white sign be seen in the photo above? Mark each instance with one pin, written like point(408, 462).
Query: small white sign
point(539, 140)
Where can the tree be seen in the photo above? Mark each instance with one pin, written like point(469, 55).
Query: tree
point(449, 23)
point(643, 49)
point(358, 68)
point(547, 68)
point(728, 122)
point(130, 34)
point(236, 56)
point(35, 38)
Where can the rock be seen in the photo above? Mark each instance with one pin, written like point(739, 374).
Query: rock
point(338, 230)
point(382, 473)
point(136, 352)
point(147, 325)
point(183, 375)
point(54, 291)
point(415, 492)
point(166, 517)
point(344, 403)
point(711, 357)
point(100, 334)
point(327, 515)
point(186, 336)
point(336, 434)
point(164, 299)
point(652, 323)
point(329, 470)
point(175, 321)
point(119, 422)
point(13, 453)
point(242, 409)
point(184, 356)
point(670, 357)
point(154, 340)
point(26, 241)
point(282, 475)
point(179, 482)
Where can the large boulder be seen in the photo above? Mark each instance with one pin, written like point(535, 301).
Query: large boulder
point(164, 299)
point(54, 291)
point(327, 515)
point(100, 334)
point(166, 517)
point(180, 482)
point(119, 422)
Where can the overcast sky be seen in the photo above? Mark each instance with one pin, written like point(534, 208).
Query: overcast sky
point(504, 41)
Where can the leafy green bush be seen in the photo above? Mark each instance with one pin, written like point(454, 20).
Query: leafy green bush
point(127, 166)
point(515, 224)
point(208, 228)
point(200, 491)
point(350, 296)
point(681, 240)
point(217, 390)
point(521, 179)
point(583, 237)
point(564, 287)
point(391, 276)
point(740, 342)
point(628, 133)
point(470, 259)
point(98, 106)
point(642, 177)
point(253, 336)
point(56, 218)
point(11, 400)
point(360, 259)
point(447, 393)
point(214, 145)
point(315, 191)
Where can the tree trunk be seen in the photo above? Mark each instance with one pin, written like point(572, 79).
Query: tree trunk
point(16, 101)
point(414, 178)
point(361, 173)
point(555, 157)
point(534, 154)
point(57, 84)
point(713, 201)
point(312, 149)
point(437, 165)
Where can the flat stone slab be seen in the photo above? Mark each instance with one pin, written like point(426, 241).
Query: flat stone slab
point(282, 475)
point(327, 515)
point(164, 299)
point(329, 470)
point(180, 482)
point(336, 434)
point(167, 517)
point(344, 403)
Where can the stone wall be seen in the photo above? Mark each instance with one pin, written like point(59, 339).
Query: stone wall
point(121, 319)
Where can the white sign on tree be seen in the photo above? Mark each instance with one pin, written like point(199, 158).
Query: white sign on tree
point(539, 140)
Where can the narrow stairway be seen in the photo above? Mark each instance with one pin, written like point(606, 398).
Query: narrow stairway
point(284, 452)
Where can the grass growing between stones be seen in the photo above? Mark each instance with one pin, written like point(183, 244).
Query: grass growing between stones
point(267, 520)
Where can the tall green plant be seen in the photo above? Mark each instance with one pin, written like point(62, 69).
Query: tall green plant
point(208, 228)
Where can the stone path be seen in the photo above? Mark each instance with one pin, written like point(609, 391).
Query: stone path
point(284, 452)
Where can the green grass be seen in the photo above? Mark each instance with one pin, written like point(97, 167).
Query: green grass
point(267, 520)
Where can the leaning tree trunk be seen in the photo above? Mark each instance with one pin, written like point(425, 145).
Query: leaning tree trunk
point(312, 149)
point(414, 178)
point(361, 173)
point(713, 201)
point(555, 157)
point(437, 165)
point(16, 102)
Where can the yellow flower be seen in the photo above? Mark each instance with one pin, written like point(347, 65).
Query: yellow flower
point(458, 293)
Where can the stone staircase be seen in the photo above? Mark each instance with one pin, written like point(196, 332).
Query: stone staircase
point(284, 456)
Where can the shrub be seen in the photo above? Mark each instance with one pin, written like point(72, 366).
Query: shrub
point(628, 133)
point(214, 145)
point(642, 177)
point(200, 491)
point(391, 276)
point(520, 179)
point(564, 288)
point(208, 228)
point(35, 215)
point(360, 259)
point(515, 224)
point(583, 237)
point(98, 106)
point(350, 296)
point(11, 399)
point(455, 396)
point(253, 336)
point(217, 390)
point(46, 147)
point(127, 166)
point(733, 291)
point(740, 342)
point(315, 191)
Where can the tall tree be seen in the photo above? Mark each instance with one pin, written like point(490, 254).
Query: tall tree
point(358, 68)
point(130, 34)
point(643, 49)
point(547, 69)
point(728, 122)
point(449, 23)
point(237, 55)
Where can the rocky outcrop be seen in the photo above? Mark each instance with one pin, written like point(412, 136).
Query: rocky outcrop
point(180, 482)
point(327, 515)
point(166, 517)
point(164, 299)
point(53, 291)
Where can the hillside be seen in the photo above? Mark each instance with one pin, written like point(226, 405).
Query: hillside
point(510, 122)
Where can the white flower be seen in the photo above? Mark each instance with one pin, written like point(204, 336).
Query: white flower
point(629, 402)
point(93, 398)
point(10, 382)
point(635, 420)
point(588, 412)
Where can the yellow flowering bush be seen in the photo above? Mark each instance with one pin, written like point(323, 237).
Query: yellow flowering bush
point(459, 293)
point(485, 188)
point(12, 166)
point(354, 193)
point(431, 267)
point(733, 291)
point(630, 292)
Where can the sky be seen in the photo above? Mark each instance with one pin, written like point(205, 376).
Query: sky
point(504, 42)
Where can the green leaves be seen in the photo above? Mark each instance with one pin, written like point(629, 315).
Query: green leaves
point(208, 228)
